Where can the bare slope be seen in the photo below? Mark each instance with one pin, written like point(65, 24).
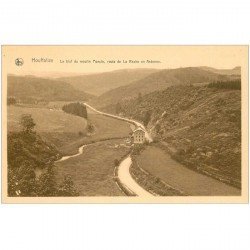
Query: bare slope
point(30, 89)
point(97, 84)
point(157, 81)
point(234, 71)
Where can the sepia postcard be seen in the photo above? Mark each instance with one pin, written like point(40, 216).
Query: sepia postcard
point(125, 124)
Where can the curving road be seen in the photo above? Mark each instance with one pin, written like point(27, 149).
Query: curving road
point(138, 124)
point(127, 180)
point(123, 169)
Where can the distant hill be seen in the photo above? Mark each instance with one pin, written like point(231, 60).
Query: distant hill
point(234, 71)
point(99, 83)
point(158, 81)
point(200, 126)
point(36, 88)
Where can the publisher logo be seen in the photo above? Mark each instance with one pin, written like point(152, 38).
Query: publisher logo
point(19, 61)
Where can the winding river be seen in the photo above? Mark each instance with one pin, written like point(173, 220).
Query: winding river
point(123, 169)
point(80, 151)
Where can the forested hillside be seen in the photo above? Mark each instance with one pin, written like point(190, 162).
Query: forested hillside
point(31, 89)
point(199, 125)
point(99, 83)
point(159, 80)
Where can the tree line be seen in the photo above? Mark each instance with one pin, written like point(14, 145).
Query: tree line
point(234, 84)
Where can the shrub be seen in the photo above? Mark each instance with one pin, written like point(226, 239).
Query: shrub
point(90, 128)
point(116, 162)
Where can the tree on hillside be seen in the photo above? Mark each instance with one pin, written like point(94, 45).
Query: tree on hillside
point(118, 108)
point(27, 123)
point(139, 97)
point(147, 117)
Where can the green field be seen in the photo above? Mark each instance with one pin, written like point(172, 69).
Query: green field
point(55, 126)
point(105, 128)
point(47, 120)
point(93, 171)
point(159, 164)
point(62, 129)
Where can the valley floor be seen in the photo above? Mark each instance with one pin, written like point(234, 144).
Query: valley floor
point(93, 170)
point(65, 131)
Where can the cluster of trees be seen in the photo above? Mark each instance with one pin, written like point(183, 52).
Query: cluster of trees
point(235, 84)
point(26, 153)
point(77, 108)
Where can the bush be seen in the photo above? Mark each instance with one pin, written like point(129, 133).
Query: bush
point(90, 128)
point(116, 162)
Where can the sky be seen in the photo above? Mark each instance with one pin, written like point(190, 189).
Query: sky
point(81, 58)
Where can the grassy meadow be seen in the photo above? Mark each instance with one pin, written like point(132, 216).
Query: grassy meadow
point(54, 126)
point(105, 128)
point(93, 171)
point(65, 131)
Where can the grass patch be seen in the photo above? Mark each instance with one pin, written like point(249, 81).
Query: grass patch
point(151, 183)
point(158, 163)
point(62, 130)
point(93, 171)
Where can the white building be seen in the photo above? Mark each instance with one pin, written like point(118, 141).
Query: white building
point(139, 135)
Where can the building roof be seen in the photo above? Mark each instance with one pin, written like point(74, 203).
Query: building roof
point(139, 129)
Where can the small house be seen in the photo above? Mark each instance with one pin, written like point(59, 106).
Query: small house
point(139, 135)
